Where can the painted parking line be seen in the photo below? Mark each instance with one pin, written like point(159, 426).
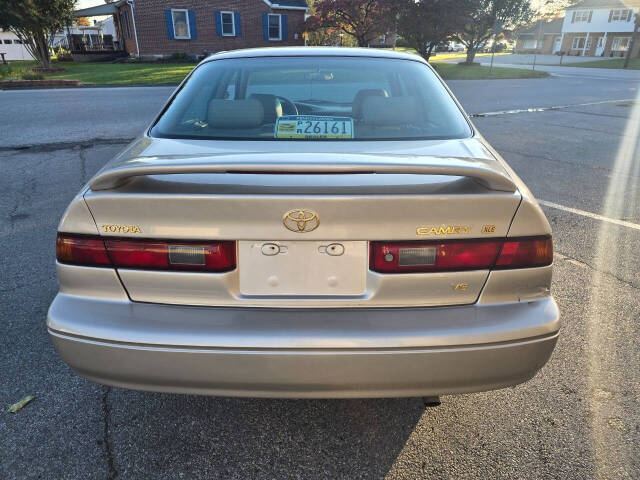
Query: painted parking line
point(594, 216)
point(544, 109)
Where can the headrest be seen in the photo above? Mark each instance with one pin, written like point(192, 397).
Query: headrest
point(235, 113)
point(360, 97)
point(390, 112)
point(271, 104)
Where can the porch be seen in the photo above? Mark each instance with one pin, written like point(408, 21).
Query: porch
point(92, 43)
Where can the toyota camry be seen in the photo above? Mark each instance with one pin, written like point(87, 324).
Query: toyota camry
point(306, 222)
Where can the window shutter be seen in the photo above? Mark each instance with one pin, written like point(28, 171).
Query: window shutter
point(590, 15)
point(192, 25)
point(573, 17)
point(265, 26)
point(238, 23)
point(218, 17)
point(283, 25)
point(629, 15)
point(169, 21)
point(610, 15)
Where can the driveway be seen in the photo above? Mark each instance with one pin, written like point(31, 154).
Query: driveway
point(579, 418)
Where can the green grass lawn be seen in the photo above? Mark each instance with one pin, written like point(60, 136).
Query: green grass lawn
point(634, 63)
point(124, 73)
point(109, 73)
point(453, 71)
point(173, 73)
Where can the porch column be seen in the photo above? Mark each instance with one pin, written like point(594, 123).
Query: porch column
point(562, 42)
point(604, 44)
point(584, 48)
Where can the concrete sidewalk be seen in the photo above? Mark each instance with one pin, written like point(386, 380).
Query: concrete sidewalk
point(563, 71)
point(528, 59)
point(550, 63)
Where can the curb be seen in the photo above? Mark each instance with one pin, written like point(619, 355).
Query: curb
point(23, 84)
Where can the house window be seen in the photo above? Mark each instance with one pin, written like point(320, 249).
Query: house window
point(620, 44)
point(275, 27)
point(7, 42)
point(619, 15)
point(581, 16)
point(530, 44)
point(180, 19)
point(383, 39)
point(578, 43)
point(228, 25)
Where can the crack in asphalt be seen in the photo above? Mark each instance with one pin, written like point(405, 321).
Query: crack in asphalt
point(83, 163)
point(609, 171)
point(628, 102)
point(106, 437)
point(579, 263)
point(49, 147)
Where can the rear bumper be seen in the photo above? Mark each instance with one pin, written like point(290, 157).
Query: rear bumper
point(304, 353)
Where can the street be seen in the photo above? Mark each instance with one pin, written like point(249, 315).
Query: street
point(578, 418)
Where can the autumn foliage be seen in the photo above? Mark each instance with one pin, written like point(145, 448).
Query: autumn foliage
point(365, 20)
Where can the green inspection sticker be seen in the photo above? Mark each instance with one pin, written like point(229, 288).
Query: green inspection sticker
point(311, 127)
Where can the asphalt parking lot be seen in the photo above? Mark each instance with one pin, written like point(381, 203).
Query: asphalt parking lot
point(579, 418)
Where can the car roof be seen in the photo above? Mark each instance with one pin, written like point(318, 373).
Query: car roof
point(314, 52)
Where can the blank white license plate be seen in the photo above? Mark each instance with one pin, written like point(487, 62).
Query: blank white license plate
point(302, 268)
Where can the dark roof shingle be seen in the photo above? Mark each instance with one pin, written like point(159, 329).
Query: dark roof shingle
point(542, 27)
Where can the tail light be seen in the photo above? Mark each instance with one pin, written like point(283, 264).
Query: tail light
point(459, 255)
point(81, 251)
point(146, 254)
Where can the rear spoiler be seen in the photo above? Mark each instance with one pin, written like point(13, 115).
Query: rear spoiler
point(488, 173)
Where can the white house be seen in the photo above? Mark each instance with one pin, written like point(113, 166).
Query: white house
point(599, 28)
point(12, 47)
point(92, 34)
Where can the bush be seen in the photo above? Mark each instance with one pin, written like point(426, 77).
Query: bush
point(30, 75)
point(180, 57)
point(65, 57)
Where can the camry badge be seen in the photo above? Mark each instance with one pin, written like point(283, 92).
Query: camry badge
point(301, 220)
point(444, 230)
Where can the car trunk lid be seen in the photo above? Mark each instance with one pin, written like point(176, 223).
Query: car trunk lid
point(256, 200)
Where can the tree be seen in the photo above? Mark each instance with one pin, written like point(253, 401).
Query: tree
point(481, 17)
point(83, 22)
point(35, 22)
point(426, 23)
point(330, 37)
point(327, 35)
point(365, 20)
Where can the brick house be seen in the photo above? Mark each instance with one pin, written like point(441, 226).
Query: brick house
point(542, 37)
point(160, 28)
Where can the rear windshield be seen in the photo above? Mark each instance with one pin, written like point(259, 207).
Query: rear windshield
point(313, 98)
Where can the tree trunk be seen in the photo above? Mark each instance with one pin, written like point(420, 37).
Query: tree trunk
point(43, 54)
point(38, 47)
point(429, 51)
point(362, 41)
point(471, 54)
point(422, 50)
